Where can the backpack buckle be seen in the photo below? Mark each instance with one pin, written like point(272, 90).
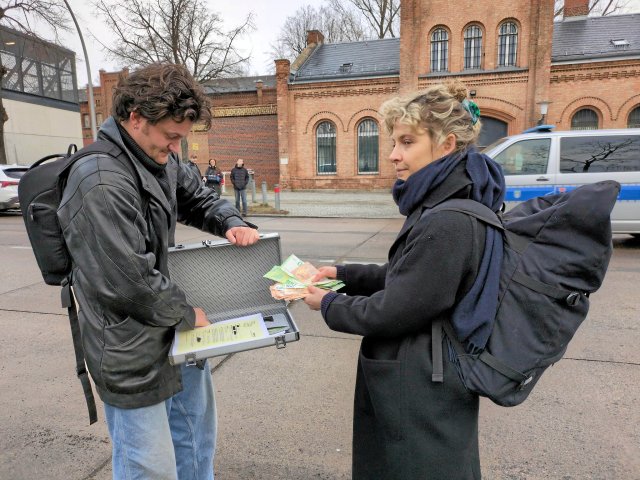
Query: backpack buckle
point(572, 299)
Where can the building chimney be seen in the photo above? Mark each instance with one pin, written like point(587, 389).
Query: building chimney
point(315, 37)
point(575, 9)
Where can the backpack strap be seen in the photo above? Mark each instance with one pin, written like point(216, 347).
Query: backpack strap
point(472, 208)
point(81, 369)
point(489, 217)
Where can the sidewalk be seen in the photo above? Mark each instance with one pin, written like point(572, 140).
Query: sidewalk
point(329, 203)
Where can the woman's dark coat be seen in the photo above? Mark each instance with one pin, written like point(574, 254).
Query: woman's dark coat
point(405, 426)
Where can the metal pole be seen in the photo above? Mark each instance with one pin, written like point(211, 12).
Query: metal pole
point(92, 108)
point(264, 192)
point(276, 190)
point(253, 188)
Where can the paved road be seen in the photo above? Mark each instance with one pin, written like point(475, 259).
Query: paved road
point(286, 414)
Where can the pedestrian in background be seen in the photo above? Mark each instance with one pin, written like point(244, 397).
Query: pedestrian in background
point(240, 179)
point(193, 165)
point(442, 266)
point(213, 176)
point(119, 214)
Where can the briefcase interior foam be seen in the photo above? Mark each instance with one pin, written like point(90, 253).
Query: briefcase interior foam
point(227, 282)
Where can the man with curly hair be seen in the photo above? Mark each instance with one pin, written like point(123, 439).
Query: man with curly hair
point(118, 213)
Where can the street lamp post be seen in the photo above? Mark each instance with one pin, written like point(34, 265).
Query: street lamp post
point(544, 108)
point(92, 108)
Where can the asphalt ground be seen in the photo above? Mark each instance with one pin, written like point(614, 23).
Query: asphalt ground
point(286, 414)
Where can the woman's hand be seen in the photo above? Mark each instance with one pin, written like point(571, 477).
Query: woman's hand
point(325, 272)
point(315, 296)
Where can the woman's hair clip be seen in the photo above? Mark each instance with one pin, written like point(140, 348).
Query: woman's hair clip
point(473, 109)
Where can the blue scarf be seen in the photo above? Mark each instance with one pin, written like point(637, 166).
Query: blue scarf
point(473, 317)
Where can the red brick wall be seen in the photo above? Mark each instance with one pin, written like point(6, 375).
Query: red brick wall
point(252, 138)
point(243, 98)
point(612, 89)
point(344, 104)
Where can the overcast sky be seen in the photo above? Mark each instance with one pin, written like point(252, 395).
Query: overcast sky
point(269, 16)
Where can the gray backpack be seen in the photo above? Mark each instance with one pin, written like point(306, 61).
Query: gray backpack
point(556, 252)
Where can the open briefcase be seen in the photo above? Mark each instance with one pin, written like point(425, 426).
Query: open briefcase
point(227, 282)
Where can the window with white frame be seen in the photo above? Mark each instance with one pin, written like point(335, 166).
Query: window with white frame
point(326, 148)
point(507, 44)
point(472, 47)
point(368, 146)
point(439, 50)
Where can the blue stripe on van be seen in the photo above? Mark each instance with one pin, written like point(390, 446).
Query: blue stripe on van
point(520, 193)
point(629, 192)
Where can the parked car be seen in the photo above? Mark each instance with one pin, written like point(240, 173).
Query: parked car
point(9, 178)
point(541, 161)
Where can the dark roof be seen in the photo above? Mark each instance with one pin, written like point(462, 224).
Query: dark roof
point(370, 58)
point(239, 84)
point(593, 38)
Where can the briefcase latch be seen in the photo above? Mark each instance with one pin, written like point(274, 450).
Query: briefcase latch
point(190, 360)
point(281, 342)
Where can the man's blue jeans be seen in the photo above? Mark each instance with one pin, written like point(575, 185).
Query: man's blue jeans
point(241, 195)
point(171, 440)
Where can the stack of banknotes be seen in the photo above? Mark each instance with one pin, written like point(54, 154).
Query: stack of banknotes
point(294, 276)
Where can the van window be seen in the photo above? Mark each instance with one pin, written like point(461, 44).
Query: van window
point(526, 157)
point(602, 153)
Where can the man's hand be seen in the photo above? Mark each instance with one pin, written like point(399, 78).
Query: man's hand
point(242, 236)
point(201, 318)
point(315, 296)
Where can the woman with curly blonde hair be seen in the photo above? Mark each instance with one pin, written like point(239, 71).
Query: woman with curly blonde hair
point(410, 424)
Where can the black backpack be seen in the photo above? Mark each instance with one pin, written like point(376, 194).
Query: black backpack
point(39, 192)
point(556, 252)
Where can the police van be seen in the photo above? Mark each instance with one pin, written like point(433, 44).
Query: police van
point(543, 162)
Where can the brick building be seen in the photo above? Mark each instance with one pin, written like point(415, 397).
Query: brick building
point(315, 124)
point(510, 54)
point(103, 98)
point(244, 124)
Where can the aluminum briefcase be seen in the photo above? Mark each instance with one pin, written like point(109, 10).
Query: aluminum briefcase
point(227, 282)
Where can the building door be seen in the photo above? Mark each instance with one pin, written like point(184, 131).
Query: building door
point(492, 130)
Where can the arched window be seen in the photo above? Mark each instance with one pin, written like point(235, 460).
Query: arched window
point(368, 146)
point(439, 50)
point(326, 148)
point(507, 44)
point(634, 118)
point(584, 119)
point(472, 47)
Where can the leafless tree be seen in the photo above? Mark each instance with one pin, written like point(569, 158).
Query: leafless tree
point(381, 16)
point(178, 31)
point(598, 7)
point(334, 26)
point(24, 15)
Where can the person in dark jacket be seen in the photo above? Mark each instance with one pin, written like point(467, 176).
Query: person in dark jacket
point(213, 177)
point(193, 165)
point(118, 214)
point(240, 179)
point(442, 266)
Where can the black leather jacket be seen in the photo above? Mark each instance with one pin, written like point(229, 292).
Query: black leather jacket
point(118, 226)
